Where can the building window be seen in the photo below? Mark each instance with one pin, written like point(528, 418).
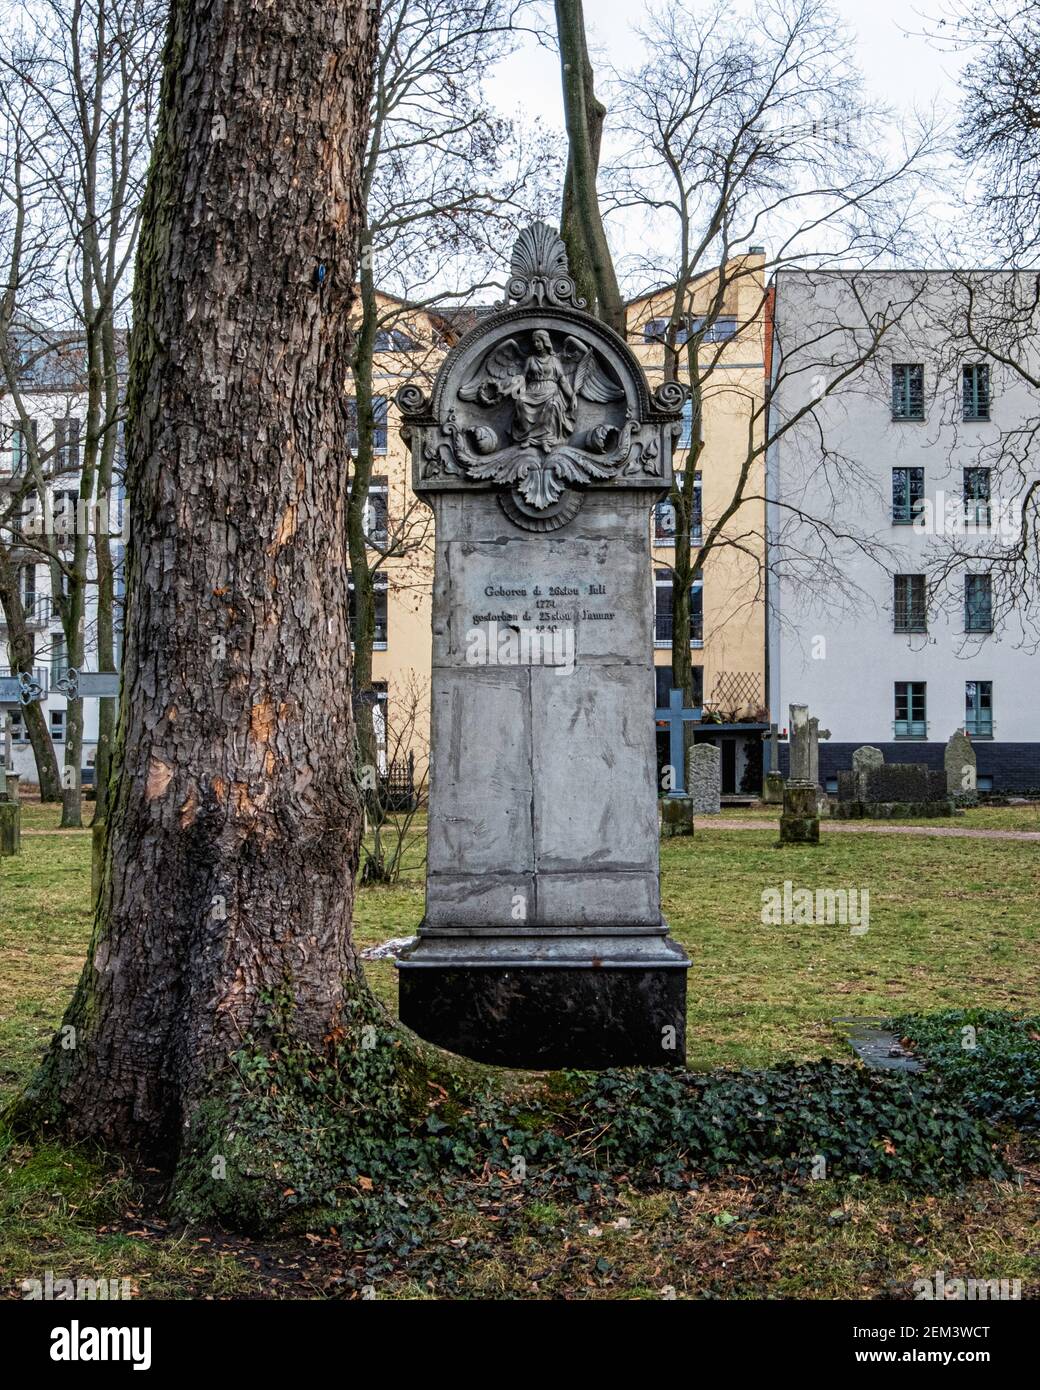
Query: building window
point(393, 340)
point(654, 330)
point(978, 603)
point(32, 603)
point(907, 391)
point(975, 385)
point(910, 720)
point(58, 725)
point(686, 434)
point(907, 494)
point(376, 515)
point(20, 440)
point(977, 496)
point(664, 608)
point(978, 709)
point(720, 331)
point(910, 603)
point(663, 686)
point(379, 430)
point(66, 444)
point(66, 505)
point(59, 659)
point(18, 734)
point(664, 516)
point(380, 593)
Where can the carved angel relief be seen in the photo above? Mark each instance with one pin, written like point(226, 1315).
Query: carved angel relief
point(537, 446)
point(554, 404)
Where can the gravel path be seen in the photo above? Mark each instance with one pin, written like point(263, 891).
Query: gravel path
point(859, 828)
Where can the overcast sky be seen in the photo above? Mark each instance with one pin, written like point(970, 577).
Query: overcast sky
point(902, 69)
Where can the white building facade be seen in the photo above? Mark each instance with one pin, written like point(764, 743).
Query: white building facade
point(54, 400)
point(903, 462)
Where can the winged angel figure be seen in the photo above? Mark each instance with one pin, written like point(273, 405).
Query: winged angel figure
point(544, 388)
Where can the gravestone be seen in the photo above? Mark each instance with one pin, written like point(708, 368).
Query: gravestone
point(798, 738)
point(880, 790)
point(863, 759)
point(961, 770)
point(800, 819)
point(10, 811)
point(773, 790)
point(540, 451)
point(773, 780)
point(704, 778)
point(676, 806)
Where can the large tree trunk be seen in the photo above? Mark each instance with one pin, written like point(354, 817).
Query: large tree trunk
point(233, 831)
point(581, 223)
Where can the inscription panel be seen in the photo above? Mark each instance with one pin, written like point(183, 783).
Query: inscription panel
point(547, 603)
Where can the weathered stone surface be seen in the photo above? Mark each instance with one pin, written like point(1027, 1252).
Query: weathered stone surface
point(773, 790)
point(879, 790)
point(903, 782)
point(848, 788)
point(867, 757)
point(676, 816)
point(798, 737)
point(10, 829)
point(961, 770)
point(800, 821)
point(704, 778)
point(804, 736)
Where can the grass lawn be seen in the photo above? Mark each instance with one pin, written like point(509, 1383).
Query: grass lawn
point(952, 922)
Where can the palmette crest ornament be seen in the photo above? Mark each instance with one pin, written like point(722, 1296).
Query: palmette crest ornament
point(539, 273)
point(540, 401)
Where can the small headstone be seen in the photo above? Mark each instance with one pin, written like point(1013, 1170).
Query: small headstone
point(961, 770)
point(676, 816)
point(800, 821)
point(906, 783)
point(704, 778)
point(10, 824)
point(866, 757)
point(773, 790)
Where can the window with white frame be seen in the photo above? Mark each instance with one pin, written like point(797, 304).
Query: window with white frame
point(664, 515)
point(380, 595)
point(664, 609)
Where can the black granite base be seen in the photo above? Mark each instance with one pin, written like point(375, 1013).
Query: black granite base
point(548, 1018)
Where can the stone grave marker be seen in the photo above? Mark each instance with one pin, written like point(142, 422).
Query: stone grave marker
point(961, 770)
point(541, 451)
point(704, 778)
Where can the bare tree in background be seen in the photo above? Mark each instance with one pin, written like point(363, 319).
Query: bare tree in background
point(999, 130)
point(985, 328)
point(445, 181)
point(742, 130)
point(990, 319)
point(78, 95)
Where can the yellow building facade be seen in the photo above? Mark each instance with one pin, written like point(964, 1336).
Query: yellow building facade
point(729, 597)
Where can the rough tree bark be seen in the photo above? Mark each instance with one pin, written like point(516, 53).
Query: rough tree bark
point(581, 223)
point(233, 831)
